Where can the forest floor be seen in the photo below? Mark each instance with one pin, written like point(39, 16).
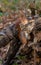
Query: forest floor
point(26, 55)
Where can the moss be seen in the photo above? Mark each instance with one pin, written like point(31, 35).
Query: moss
point(1, 14)
point(0, 61)
point(15, 64)
point(21, 57)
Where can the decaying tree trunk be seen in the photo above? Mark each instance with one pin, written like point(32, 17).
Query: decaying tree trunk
point(9, 35)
